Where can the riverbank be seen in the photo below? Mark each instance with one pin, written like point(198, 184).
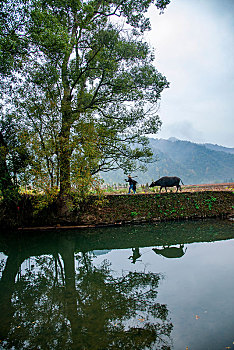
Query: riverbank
point(158, 207)
point(113, 210)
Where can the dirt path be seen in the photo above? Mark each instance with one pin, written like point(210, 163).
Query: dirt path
point(209, 187)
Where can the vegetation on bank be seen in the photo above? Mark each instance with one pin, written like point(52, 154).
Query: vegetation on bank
point(39, 211)
point(165, 206)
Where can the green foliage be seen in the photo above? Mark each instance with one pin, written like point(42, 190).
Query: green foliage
point(13, 42)
point(16, 140)
point(14, 157)
point(209, 202)
point(44, 200)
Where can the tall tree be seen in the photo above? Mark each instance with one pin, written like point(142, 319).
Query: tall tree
point(88, 63)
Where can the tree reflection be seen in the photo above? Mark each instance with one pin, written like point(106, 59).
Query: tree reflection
point(66, 302)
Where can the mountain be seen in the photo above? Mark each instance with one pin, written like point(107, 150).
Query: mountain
point(219, 148)
point(193, 163)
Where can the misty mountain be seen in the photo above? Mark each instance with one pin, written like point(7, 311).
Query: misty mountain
point(193, 163)
point(219, 148)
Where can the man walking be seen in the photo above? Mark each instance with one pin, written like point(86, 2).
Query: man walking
point(132, 184)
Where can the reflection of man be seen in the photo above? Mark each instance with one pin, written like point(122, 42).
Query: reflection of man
point(135, 255)
point(132, 184)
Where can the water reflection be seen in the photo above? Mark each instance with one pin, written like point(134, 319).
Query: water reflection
point(54, 296)
point(135, 255)
point(65, 302)
point(170, 251)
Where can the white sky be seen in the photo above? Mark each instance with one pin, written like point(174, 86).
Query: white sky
point(194, 47)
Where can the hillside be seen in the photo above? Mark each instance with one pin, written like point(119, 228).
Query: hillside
point(219, 148)
point(193, 163)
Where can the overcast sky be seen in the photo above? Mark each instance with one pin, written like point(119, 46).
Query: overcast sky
point(194, 47)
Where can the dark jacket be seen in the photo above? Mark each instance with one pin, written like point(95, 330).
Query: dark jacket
point(131, 181)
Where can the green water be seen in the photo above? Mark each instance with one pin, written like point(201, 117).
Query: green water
point(159, 286)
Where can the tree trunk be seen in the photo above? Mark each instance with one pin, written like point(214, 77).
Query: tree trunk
point(65, 148)
point(67, 254)
point(65, 183)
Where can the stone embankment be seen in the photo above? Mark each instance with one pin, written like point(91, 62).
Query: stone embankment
point(158, 207)
point(133, 209)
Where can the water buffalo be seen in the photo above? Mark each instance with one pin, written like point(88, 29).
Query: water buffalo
point(167, 181)
point(171, 252)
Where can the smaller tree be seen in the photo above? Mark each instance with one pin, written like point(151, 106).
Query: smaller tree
point(14, 157)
